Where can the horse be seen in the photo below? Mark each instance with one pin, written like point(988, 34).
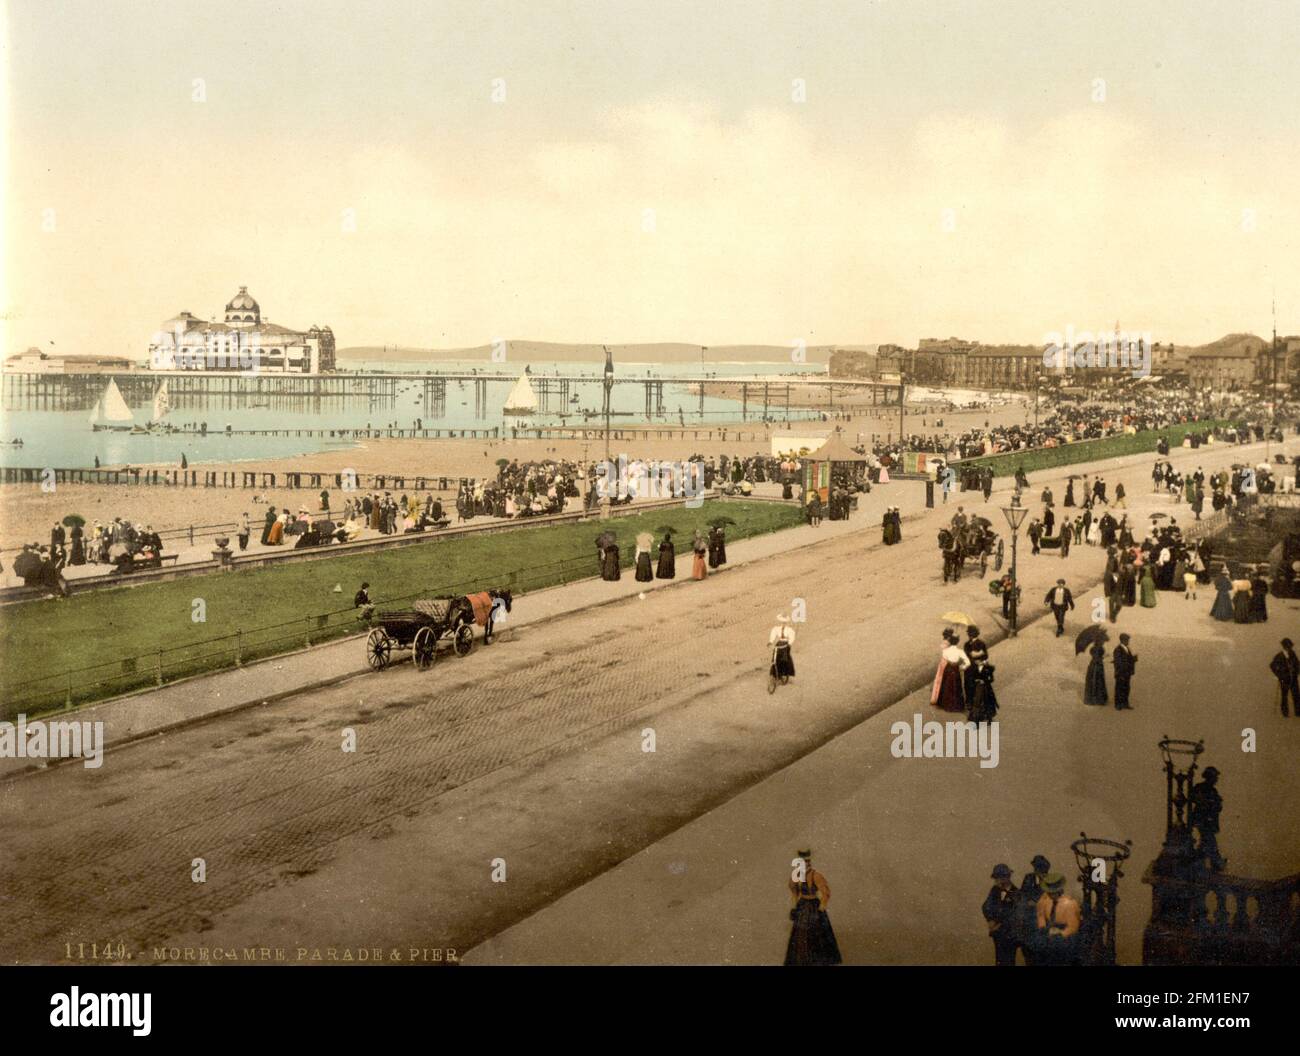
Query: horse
point(972, 541)
point(478, 608)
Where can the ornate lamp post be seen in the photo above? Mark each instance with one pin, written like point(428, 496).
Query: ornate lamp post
point(1180, 759)
point(1015, 516)
point(1100, 896)
point(1173, 896)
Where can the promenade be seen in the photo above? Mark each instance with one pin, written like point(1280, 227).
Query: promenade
point(532, 751)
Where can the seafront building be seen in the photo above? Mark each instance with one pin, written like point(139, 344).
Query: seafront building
point(1237, 361)
point(34, 361)
point(243, 342)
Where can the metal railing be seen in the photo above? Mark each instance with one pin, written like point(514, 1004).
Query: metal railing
point(83, 685)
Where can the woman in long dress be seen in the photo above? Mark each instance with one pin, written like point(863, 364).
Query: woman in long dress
point(277, 531)
point(1094, 682)
point(887, 527)
point(1241, 601)
point(812, 940)
point(947, 693)
point(1258, 597)
point(782, 642)
point(667, 568)
point(982, 704)
point(609, 563)
point(1222, 608)
point(717, 547)
point(1148, 588)
point(644, 541)
point(700, 548)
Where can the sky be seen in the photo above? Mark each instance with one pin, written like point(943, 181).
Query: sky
point(448, 174)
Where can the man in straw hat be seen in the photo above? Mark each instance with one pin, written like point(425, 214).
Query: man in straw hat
point(1059, 920)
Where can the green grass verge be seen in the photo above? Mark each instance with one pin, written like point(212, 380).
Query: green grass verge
point(94, 645)
point(1004, 465)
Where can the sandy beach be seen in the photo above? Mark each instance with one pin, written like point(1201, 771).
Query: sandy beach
point(27, 513)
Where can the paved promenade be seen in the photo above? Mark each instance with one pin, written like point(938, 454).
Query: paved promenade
point(907, 845)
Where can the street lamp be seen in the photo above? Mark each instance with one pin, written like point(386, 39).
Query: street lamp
point(1015, 516)
point(609, 388)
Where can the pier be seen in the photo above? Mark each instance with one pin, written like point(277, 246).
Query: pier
point(217, 389)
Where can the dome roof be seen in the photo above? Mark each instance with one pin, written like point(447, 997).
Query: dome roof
point(242, 302)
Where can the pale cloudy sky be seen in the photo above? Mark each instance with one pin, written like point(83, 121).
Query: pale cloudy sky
point(648, 175)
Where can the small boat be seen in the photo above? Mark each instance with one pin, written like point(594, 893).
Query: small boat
point(161, 404)
point(111, 411)
point(522, 400)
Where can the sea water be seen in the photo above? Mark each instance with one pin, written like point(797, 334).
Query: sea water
point(64, 438)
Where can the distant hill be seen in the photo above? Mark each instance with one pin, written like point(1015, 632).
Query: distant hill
point(551, 352)
point(1231, 344)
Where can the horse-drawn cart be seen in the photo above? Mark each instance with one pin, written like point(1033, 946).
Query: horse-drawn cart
point(428, 621)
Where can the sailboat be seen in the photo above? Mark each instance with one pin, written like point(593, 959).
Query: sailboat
point(161, 404)
point(111, 409)
point(522, 399)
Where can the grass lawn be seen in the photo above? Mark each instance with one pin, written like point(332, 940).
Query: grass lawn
point(111, 641)
point(1004, 465)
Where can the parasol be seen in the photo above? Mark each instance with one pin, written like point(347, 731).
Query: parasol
point(665, 529)
point(954, 616)
point(718, 522)
point(74, 520)
point(1159, 516)
point(606, 538)
point(26, 565)
point(1094, 632)
point(644, 540)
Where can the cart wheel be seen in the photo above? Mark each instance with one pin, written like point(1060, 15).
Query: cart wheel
point(464, 641)
point(425, 648)
point(379, 649)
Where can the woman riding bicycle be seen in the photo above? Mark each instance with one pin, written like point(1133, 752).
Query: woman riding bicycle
point(782, 641)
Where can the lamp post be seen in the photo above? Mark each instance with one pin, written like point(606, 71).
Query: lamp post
point(609, 388)
point(1015, 516)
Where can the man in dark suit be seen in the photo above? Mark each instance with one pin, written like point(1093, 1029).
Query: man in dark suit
point(997, 909)
point(1286, 669)
point(1114, 593)
point(1060, 600)
point(1125, 664)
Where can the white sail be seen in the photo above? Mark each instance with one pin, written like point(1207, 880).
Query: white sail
point(161, 403)
point(521, 400)
point(97, 412)
point(115, 408)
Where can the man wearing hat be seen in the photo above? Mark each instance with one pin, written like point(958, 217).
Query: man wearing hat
point(1060, 600)
point(1286, 669)
point(999, 910)
point(1204, 809)
point(1125, 664)
point(1059, 920)
point(1026, 908)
